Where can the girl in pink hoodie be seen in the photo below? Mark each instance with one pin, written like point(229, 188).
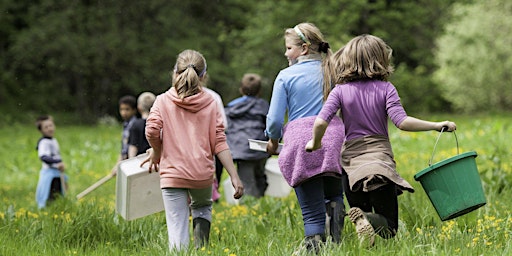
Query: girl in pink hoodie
point(185, 130)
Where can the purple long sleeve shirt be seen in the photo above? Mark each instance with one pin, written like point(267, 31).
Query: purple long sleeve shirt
point(365, 107)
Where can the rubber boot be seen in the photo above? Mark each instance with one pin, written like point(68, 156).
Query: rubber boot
point(380, 225)
point(201, 228)
point(313, 243)
point(364, 228)
point(335, 219)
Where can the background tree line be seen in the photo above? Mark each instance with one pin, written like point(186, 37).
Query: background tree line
point(80, 56)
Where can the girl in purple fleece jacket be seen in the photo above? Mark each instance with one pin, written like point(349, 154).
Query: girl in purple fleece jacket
point(360, 71)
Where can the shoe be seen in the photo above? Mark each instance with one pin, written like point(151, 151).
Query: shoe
point(310, 245)
point(364, 228)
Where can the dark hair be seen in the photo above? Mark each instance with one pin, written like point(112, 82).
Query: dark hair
point(251, 84)
point(129, 100)
point(41, 119)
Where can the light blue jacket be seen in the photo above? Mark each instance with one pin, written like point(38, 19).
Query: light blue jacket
point(298, 90)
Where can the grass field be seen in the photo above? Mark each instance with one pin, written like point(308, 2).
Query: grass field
point(269, 226)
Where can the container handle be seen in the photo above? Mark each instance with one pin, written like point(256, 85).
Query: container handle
point(439, 136)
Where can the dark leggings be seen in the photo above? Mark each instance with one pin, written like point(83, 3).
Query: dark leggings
point(382, 201)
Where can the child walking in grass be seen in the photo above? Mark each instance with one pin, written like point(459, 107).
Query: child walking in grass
point(128, 112)
point(52, 181)
point(137, 142)
point(366, 100)
point(315, 177)
point(185, 130)
point(246, 118)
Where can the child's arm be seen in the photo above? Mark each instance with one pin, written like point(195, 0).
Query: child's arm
point(132, 151)
point(227, 160)
point(412, 124)
point(318, 132)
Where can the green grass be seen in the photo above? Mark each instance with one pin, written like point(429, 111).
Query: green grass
point(269, 226)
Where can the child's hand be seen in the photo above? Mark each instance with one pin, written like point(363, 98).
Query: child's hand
point(447, 125)
point(153, 160)
point(238, 186)
point(272, 146)
point(310, 146)
point(61, 166)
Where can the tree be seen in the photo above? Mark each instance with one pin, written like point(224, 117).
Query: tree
point(475, 57)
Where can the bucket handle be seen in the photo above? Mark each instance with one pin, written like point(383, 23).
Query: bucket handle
point(439, 136)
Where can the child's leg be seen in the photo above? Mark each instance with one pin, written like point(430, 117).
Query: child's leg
point(201, 205)
point(357, 199)
point(177, 217)
point(310, 195)
point(246, 172)
point(55, 189)
point(260, 176)
point(384, 201)
point(335, 208)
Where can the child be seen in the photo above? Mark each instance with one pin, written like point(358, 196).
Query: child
point(315, 177)
point(360, 71)
point(137, 142)
point(185, 130)
point(52, 181)
point(246, 119)
point(128, 112)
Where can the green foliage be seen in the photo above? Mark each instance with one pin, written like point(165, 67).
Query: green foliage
point(266, 226)
point(475, 57)
point(81, 56)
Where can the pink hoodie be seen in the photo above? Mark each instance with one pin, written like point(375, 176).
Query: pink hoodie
point(189, 133)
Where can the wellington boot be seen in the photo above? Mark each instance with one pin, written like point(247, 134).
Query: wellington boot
point(201, 232)
point(364, 228)
point(335, 220)
point(380, 225)
point(313, 243)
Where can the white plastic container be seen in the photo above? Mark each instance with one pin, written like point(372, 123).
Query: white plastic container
point(277, 185)
point(260, 145)
point(138, 192)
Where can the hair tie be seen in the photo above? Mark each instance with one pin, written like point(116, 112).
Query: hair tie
point(191, 66)
point(204, 70)
point(323, 47)
point(297, 30)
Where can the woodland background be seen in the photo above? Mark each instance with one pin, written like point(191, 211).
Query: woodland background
point(77, 58)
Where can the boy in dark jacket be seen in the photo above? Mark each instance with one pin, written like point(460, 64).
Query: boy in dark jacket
point(247, 120)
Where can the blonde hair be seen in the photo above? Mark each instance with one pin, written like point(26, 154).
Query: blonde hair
point(189, 73)
point(145, 101)
point(310, 34)
point(251, 84)
point(362, 58)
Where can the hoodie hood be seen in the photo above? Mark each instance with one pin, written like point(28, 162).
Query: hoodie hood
point(250, 106)
point(192, 103)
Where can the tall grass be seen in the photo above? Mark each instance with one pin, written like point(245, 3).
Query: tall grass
point(268, 226)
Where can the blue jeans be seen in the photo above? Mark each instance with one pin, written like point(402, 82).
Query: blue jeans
point(312, 195)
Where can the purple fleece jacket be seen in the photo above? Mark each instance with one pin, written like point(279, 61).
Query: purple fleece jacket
point(296, 164)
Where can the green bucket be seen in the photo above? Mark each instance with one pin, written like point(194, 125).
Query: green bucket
point(453, 185)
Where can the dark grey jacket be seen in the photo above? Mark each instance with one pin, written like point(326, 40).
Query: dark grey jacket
point(246, 120)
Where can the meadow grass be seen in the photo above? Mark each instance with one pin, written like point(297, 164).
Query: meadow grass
point(267, 226)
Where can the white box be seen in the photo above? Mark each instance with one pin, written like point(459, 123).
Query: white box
point(260, 145)
point(277, 185)
point(138, 192)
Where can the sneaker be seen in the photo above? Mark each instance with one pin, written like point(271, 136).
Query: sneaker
point(364, 229)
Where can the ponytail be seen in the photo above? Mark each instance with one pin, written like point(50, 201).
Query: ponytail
point(189, 73)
